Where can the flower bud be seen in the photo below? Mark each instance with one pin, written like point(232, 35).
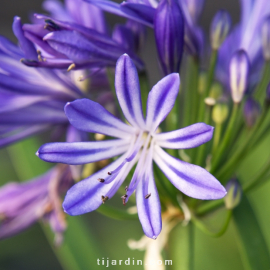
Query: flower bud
point(266, 38)
point(169, 34)
point(220, 27)
point(252, 111)
point(234, 194)
point(220, 113)
point(239, 71)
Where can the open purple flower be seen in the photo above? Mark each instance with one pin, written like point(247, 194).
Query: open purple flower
point(138, 143)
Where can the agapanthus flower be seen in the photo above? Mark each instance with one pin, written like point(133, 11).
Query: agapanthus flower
point(75, 36)
point(32, 100)
point(139, 142)
point(22, 204)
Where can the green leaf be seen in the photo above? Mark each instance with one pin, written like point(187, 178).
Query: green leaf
point(255, 254)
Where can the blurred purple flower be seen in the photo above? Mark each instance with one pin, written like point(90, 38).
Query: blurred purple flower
point(247, 35)
point(22, 204)
point(252, 111)
point(139, 143)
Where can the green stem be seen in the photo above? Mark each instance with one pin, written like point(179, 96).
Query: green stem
point(260, 90)
point(238, 155)
point(217, 135)
point(191, 246)
point(200, 225)
point(210, 206)
point(210, 78)
point(217, 156)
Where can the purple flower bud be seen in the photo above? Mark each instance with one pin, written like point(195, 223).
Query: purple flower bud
point(169, 33)
point(234, 194)
point(266, 38)
point(239, 71)
point(220, 27)
point(252, 111)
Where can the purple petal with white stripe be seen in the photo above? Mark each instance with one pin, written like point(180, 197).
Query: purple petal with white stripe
point(184, 138)
point(89, 116)
point(86, 195)
point(128, 91)
point(82, 152)
point(149, 210)
point(161, 100)
point(190, 179)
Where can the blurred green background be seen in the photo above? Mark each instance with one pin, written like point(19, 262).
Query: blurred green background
point(102, 237)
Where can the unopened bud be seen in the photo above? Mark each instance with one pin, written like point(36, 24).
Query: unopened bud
point(234, 194)
point(266, 38)
point(252, 111)
point(220, 28)
point(216, 90)
point(220, 113)
point(239, 71)
point(169, 34)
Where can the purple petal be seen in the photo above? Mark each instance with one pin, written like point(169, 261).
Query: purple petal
point(56, 9)
point(26, 45)
point(89, 116)
point(85, 196)
point(82, 152)
point(190, 179)
point(128, 91)
point(10, 49)
point(149, 210)
point(139, 12)
point(184, 138)
point(161, 100)
point(10, 102)
point(21, 133)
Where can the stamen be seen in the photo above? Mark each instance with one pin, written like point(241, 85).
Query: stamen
point(147, 196)
point(124, 199)
point(40, 58)
point(51, 26)
point(101, 180)
point(104, 199)
point(109, 173)
point(72, 66)
point(126, 188)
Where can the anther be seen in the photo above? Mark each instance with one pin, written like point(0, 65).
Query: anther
point(126, 188)
point(109, 173)
point(124, 199)
point(104, 199)
point(101, 180)
point(147, 196)
point(72, 66)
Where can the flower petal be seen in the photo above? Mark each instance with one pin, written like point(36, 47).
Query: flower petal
point(85, 196)
point(139, 12)
point(26, 45)
point(149, 210)
point(127, 89)
point(82, 152)
point(161, 100)
point(184, 138)
point(87, 115)
point(190, 179)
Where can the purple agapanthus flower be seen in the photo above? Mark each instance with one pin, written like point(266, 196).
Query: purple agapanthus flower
point(22, 204)
point(32, 100)
point(75, 36)
point(139, 142)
